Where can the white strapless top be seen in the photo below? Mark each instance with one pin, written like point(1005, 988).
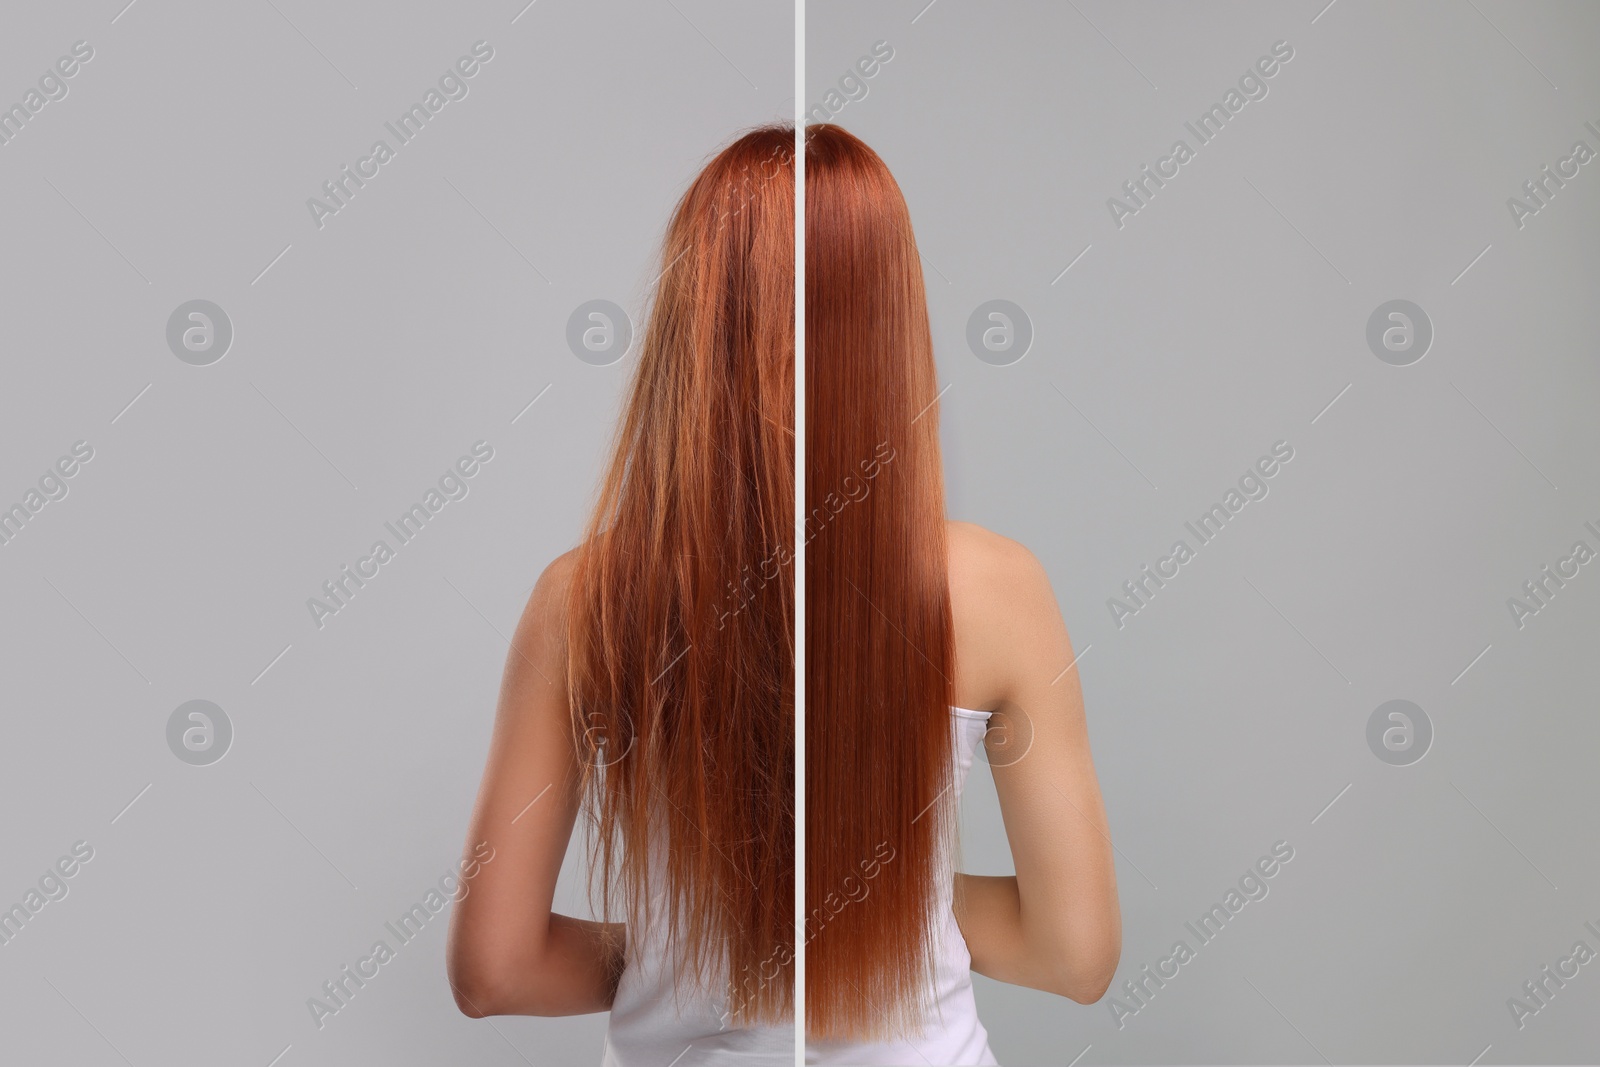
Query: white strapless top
point(656, 1024)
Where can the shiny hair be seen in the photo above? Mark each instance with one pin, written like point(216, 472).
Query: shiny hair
point(879, 635)
point(680, 622)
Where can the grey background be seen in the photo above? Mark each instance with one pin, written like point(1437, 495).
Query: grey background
point(1226, 316)
point(368, 358)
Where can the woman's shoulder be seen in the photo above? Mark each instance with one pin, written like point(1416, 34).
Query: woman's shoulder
point(540, 641)
point(547, 600)
point(1002, 607)
point(989, 566)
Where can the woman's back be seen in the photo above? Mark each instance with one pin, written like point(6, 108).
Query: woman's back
point(1011, 649)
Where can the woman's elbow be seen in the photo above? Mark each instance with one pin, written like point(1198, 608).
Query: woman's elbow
point(477, 991)
point(485, 981)
point(1089, 989)
point(499, 984)
point(1084, 976)
point(469, 1006)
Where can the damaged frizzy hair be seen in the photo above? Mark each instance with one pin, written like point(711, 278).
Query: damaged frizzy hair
point(680, 623)
point(879, 652)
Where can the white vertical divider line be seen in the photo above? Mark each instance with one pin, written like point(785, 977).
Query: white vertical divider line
point(799, 533)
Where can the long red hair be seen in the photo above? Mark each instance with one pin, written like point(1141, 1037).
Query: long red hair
point(680, 624)
point(878, 625)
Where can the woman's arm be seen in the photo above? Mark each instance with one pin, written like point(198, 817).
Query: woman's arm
point(1054, 925)
point(508, 953)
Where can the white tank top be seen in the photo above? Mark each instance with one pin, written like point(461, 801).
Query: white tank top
point(953, 1034)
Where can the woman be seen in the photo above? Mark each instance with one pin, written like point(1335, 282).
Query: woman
point(650, 682)
point(923, 639)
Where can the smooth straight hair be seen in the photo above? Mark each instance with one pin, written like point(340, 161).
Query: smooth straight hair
point(680, 623)
point(879, 635)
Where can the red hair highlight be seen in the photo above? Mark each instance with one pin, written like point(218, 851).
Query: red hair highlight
point(879, 635)
point(680, 620)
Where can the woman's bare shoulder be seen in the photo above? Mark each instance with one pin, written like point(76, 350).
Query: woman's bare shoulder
point(549, 596)
point(986, 567)
point(1002, 607)
point(540, 641)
